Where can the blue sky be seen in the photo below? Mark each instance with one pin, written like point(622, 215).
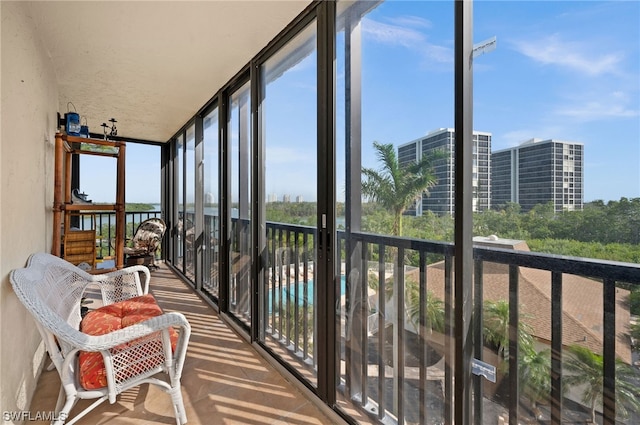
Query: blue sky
point(561, 70)
point(566, 70)
point(98, 175)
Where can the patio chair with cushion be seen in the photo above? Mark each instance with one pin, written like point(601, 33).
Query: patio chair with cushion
point(145, 243)
point(127, 342)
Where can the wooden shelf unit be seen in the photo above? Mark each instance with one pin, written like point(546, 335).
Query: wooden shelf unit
point(80, 247)
point(65, 147)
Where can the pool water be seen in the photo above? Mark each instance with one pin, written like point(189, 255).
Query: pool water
point(290, 291)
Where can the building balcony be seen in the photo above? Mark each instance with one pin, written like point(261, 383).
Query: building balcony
point(303, 325)
point(390, 376)
point(224, 380)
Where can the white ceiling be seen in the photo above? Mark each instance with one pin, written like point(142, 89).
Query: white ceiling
point(152, 64)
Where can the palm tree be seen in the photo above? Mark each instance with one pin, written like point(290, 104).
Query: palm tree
point(635, 336)
point(534, 371)
point(396, 187)
point(496, 327)
point(434, 309)
point(585, 367)
point(534, 367)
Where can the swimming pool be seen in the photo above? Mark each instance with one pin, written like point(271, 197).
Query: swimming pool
point(290, 291)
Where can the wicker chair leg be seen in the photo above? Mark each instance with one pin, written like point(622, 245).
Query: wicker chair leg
point(61, 398)
point(81, 414)
point(178, 405)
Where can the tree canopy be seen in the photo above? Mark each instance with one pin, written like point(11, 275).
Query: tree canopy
point(396, 187)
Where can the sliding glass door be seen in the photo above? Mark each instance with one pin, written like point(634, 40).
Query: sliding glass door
point(179, 205)
point(394, 85)
point(288, 137)
point(211, 205)
point(189, 216)
point(240, 246)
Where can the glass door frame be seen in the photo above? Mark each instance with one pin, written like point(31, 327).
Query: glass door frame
point(205, 265)
point(462, 313)
point(226, 159)
point(317, 15)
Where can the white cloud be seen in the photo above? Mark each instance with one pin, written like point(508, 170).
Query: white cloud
point(392, 34)
point(577, 56)
point(611, 105)
point(411, 21)
point(405, 36)
point(597, 110)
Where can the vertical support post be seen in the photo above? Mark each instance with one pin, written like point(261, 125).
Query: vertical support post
point(423, 335)
point(556, 348)
point(398, 336)
point(259, 250)
point(74, 178)
point(120, 204)
point(449, 337)
point(382, 317)
point(353, 208)
point(327, 248)
point(57, 195)
point(609, 352)
point(514, 355)
point(165, 199)
point(463, 216)
point(243, 231)
point(478, 294)
point(67, 176)
point(199, 245)
point(225, 204)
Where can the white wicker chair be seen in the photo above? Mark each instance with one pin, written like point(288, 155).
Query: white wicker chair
point(52, 289)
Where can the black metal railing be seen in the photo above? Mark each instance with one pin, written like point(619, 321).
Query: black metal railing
point(398, 387)
point(608, 274)
point(211, 257)
point(289, 290)
point(399, 367)
point(395, 322)
point(105, 225)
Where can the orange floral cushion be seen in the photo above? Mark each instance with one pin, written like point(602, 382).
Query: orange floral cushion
point(108, 319)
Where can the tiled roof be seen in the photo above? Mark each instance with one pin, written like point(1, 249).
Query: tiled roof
point(582, 300)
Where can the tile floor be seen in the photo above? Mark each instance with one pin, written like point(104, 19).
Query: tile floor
point(224, 380)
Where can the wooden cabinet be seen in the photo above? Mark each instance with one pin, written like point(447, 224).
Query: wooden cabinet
point(80, 245)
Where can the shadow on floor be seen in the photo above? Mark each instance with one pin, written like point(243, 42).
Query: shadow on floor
point(224, 380)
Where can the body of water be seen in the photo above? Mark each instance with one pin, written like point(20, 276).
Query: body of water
point(303, 298)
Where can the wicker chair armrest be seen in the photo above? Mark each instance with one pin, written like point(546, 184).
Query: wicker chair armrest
point(86, 342)
point(123, 284)
point(51, 289)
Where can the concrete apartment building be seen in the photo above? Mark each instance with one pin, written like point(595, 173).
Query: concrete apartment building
point(534, 172)
point(537, 172)
point(440, 199)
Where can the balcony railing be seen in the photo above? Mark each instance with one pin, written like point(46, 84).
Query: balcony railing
point(396, 362)
point(105, 225)
point(396, 323)
point(289, 291)
point(399, 367)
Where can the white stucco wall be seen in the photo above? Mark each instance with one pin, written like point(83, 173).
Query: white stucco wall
point(28, 124)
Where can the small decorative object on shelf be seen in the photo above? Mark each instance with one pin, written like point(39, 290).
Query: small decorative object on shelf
point(114, 130)
point(84, 128)
point(104, 126)
point(72, 125)
point(79, 198)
